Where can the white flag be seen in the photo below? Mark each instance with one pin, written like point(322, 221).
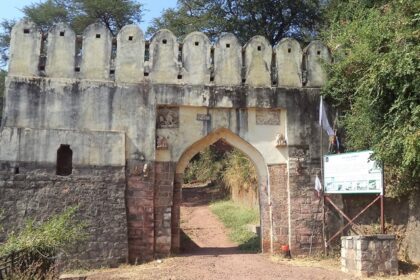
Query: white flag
point(318, 185)
point(323, 119)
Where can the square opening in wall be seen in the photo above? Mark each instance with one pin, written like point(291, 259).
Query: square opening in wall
point(227, 45)
point(289, 50)
point(164, 41)
point(318, 52)
point(259, 48)
point(179, 77)
point(26, 31)
point(61, 33)
point(130, 38)
point(98, 36)
point(197, 43)
point(76, 69)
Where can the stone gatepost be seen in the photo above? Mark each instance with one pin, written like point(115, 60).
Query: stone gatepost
point(369, 255)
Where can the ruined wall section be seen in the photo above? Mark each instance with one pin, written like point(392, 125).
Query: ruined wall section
point(130, 59)
point(31, 188)
point(37, 192)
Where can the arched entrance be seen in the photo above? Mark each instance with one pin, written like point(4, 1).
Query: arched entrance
point(263, 185)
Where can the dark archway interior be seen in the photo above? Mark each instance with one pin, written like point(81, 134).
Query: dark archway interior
point(64, 160)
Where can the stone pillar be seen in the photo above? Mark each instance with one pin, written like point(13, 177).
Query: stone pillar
point(164, 188)
point(279, 197)
point(140, 211)
point(305, 207)
point(369, 255)
point(176, 213)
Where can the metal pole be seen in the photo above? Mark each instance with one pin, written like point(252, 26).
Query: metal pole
point(324, 237)
point(382, 215)
point(382, 201)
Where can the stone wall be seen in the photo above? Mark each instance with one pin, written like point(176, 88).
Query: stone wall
point(169, 62)
point(369, 255)
point(99, 192)
point(149, 115)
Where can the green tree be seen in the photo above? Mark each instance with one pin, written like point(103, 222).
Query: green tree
point(80, 13)
point(273, 19)
point(375, 82)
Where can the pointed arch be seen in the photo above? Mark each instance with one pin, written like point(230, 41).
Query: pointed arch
point(263, 183)
point(231, 138)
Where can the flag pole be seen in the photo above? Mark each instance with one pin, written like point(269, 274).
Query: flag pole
point(321, 109)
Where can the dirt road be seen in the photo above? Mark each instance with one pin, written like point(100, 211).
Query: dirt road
point(208, 254)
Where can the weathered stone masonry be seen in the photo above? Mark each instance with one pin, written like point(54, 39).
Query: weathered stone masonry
point(132, 125)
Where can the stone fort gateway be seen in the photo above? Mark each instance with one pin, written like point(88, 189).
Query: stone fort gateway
point(111, 127)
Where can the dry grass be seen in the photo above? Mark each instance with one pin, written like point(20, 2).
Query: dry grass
point(321, 262)
point(407, 271)
point(124, 271)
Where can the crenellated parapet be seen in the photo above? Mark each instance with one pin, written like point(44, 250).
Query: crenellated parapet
point(129, 58)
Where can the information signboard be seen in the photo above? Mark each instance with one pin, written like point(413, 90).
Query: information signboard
point(351, 173)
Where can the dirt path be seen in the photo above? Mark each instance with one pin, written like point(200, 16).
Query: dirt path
point(208, 254)
point(201, 232)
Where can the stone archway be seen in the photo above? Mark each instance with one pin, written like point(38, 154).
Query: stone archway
point(263, 183)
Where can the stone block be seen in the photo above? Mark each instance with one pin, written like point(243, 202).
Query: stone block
point(96, 56)
point(258, 55)
point(61, 52)
point(196, 60)
point(163, 60)
point(289, 63)
point(316, 54)
point(129, 62)
point(368, 256)
point(227, 61)
point(25, 49)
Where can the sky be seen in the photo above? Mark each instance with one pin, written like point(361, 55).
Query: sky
point(10, 9)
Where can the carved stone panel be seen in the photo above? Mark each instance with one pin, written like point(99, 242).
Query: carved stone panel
point(161, 143)
point(167, 118)
point(268, 117)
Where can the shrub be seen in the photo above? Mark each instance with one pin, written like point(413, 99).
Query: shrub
point(58, 233)
point(37, 244)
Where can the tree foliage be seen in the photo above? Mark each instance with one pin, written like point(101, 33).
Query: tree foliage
point(80, 13)
point(273, 19)
point(375, 82)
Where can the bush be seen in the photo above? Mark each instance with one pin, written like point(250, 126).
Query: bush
point(375, 83)
point(37, 244)
point(240, 178)
point(57, 234)
point(207, 165)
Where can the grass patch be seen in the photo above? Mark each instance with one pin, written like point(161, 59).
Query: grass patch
point(236, 218)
